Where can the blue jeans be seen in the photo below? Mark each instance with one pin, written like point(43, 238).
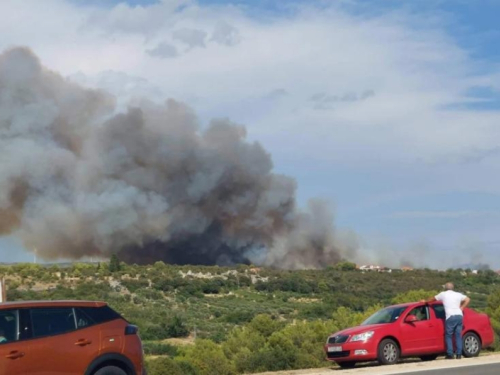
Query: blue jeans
point(454, 325)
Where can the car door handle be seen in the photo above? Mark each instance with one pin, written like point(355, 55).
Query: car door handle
point(15, 355)
point(83, 342)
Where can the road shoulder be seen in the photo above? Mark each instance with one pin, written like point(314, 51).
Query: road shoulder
point(403, 368)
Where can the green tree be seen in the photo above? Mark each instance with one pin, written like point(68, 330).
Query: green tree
point(164, 366)
point(345, 266)
point(208, 358)
point(494, 301)
point(114, 264)
point(265, 325)
point(177, 328)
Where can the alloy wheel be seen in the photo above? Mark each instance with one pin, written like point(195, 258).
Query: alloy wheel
point(390, 352)
point(471, 345)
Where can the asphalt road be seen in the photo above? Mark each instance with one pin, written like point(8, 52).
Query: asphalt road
point(484, 365)
point(490, 369)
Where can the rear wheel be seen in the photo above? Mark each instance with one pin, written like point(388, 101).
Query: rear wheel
point(346, 364)
point(110, 370)
point(428, 357)
point(388, 352)
point(471, 345)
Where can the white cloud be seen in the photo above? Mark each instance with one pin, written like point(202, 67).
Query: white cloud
point(191, 37)
point(163, 50)
point(414, 74)
point(145, 20)
point(226, 34)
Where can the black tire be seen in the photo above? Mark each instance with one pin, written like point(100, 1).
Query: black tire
point(388, 352)
point(110, 370)
point(346, 365)
point(471, 345)
point(429, 357)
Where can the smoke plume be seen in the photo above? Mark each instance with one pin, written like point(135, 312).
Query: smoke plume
point(79, 179)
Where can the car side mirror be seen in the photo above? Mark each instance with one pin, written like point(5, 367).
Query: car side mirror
point(411, 319)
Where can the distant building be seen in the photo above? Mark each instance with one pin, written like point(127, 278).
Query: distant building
point(370, 267)
point(406, 268)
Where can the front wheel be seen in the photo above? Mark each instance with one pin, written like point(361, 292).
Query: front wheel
point(388, 352)
point(471, 345)
point(346, 364)
point(110, 370)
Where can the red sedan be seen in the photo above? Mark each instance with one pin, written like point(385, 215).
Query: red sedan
point(407, 330)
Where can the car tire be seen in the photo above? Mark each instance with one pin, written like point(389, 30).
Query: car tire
point(429, 357)
point(471, 345)
point(348, 364)
point(388, 352)
point(110, 370)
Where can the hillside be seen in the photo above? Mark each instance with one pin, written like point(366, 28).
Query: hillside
point(246, 319)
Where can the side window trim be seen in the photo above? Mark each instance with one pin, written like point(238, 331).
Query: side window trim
point(74, 318)
point(17, 325)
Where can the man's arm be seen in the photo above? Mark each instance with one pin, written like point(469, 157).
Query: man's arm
point(465, 303)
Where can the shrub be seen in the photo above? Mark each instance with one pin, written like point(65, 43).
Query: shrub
point(177, 328)
point(159, 348)
point(164, 366)
point(207, 358)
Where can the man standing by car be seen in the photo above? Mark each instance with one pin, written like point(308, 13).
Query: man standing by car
point(454, 304)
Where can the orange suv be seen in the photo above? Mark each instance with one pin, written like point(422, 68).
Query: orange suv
point(67, 337)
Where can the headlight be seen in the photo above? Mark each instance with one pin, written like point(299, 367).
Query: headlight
point(365, 336)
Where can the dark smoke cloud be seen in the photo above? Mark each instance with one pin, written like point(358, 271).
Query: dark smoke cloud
point(78, 179)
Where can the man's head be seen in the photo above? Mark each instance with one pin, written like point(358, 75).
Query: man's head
point(449, 286)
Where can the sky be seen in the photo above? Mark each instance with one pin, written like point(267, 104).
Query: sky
point(389, 109)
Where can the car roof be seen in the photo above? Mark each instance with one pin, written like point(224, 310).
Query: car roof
point(61, 303)
point(408, 304)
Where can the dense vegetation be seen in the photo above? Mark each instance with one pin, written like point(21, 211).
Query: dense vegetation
point(216, 320)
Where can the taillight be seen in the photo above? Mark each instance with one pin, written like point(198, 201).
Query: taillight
point(131, 330)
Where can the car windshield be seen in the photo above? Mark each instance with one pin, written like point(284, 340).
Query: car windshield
point(387, 315)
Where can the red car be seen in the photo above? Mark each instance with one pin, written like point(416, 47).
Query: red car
point(406, 330)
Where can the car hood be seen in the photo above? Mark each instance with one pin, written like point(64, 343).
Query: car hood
point(360, 329)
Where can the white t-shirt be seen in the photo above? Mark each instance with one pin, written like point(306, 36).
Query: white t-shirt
point(451, 302)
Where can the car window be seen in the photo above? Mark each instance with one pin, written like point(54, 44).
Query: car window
point(421, 312)
point(52, 321)
point(86, 316)
point(82, 319)
point(8, 326)
point(439, 311)
point(387, 315)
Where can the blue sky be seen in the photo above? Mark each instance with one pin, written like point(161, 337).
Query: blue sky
point(412, 169)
